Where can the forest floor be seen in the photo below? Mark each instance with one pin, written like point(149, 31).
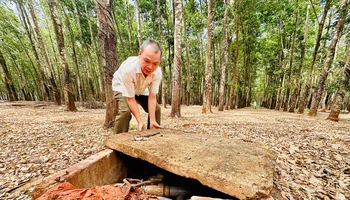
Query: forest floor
point(38, 139)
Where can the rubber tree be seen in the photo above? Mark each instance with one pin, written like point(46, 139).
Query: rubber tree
point(307, 87)
point(224, 56)
point(176, 78)
point(340, 95)
point(160, 40)
point(329, 58)
point(208, 80)
point(107, 41)
point(233, 102)
point(290, 74)
point(302, 56)
point(45, 57)
point(57, 25)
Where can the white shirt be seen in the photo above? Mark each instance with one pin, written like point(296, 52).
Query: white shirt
point(130, 81)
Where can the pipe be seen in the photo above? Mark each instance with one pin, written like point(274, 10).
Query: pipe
point(165, 190)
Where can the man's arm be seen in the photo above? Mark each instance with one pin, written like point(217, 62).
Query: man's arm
point(135, 111)
point(152, 103)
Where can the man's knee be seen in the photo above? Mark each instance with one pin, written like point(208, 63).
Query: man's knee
point(125, 114)
point(158, 109)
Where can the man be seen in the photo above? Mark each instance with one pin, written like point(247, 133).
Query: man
point(137, 82)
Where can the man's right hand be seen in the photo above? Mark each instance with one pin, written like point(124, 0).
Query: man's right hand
point(141, 126)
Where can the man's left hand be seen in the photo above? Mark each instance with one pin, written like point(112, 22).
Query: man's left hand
point(154, 125)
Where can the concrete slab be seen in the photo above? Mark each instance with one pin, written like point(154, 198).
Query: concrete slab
point(244, 170)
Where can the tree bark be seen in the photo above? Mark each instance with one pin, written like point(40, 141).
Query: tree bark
point(57, 25)
point(129, 25)
point(107, 41)
point(188, 65)
point(138, 19)
point(305, 95)
point(86, 53)
point(340, 95)
point(229, 74)
point(302, 56)
point(329, 59)
point(99, 69)
point(162, 64)
point(75, 59)
point(243, 95)
point(176, 80)
point(208, 81)
point(235, 64)
point(289, 85)
point(39, 71)
point(170, 58)
point(224, 53)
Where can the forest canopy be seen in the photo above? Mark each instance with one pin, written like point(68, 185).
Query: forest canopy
point(275, 54)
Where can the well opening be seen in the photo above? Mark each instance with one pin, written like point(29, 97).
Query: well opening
point(180, 187)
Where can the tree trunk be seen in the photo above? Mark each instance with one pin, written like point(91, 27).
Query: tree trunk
point(99, 69)
point(47, 68)
point(129, 25)
point(229, 74)
point(224, 53)
point(119, 35)
point(286, 103)
point(340, 95)
point(199, 70)
point(235, 64)
point(176, 80)
point(243, 93)
point(280, 90)
point(302, 56)
point(208, 83)
point(162, 64)
point(75, 59)
point(20, 80)
point(329, 59)
point(7, 79)
point(305, 96)
point(35, 94)
point(86, 53)
point(188, 70)
point(170, 58)
point(41, 76)
point(57, 25)
point(107, 41)
point(138, 19)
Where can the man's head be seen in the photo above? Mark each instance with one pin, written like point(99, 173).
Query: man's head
point(150, 55)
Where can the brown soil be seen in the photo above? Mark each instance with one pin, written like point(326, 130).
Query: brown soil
point(39, 139)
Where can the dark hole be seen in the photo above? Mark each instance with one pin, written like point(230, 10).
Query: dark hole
point(140, 169)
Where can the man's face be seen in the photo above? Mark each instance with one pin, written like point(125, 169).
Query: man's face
point(149, 60)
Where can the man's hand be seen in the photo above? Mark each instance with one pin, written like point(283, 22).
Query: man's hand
point(135, 111)
point(154, 125)
point(141, 126)
point(152, 102)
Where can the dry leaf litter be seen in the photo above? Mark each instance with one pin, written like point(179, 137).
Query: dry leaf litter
point(38, 139)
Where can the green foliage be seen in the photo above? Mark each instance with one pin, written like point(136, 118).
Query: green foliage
point(13, 45)
point(265, 32)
